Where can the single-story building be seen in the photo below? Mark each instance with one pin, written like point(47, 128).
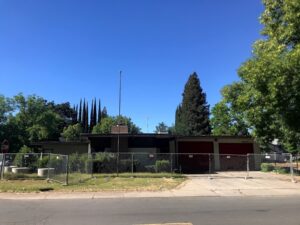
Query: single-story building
point(190, 154)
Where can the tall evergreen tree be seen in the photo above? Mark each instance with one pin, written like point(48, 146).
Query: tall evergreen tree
point(99, 112)
point(92, 117)
point(74, 115)
point(80, 112)
point(192, 115)
point(83, 121)
point(86, 126)
point(104, 113)
point(94, 113)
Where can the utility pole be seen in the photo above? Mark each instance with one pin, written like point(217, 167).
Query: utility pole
point(118, 153)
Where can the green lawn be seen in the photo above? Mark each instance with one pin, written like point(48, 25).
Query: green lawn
point(100, 182)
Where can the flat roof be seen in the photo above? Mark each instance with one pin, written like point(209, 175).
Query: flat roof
point(163, 136)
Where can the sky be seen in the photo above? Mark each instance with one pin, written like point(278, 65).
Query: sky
point(67, 50)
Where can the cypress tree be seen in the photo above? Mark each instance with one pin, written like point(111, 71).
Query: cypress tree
point(86, 127)
point(92, 117)
point(95, 113)
point(192, 115)
point(76, 113)
point(80, 113)
point(99, 112)
point(83, 116)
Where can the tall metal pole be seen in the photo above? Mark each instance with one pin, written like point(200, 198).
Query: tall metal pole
point(120, 86)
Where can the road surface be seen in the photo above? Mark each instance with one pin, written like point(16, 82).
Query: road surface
point(194, 210)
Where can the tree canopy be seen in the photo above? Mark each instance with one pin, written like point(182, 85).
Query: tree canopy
point(161, 128)
point(268, 94)
point(108, 121)
point(192, 115)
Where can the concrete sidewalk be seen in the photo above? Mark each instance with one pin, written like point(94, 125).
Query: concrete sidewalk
point(220, 185)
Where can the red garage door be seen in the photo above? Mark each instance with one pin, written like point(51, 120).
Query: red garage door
point(233, 156)
point(194, 163)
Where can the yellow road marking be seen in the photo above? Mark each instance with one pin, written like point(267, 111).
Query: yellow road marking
point(166, 224)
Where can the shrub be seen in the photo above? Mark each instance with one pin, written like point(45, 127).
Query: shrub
point(282, 170)
point(266, 167)
point(19, 158)
point(25, 159)
point(43, 162)
point(151, 168)
point(78, 163)
point(162, 166)
point(57, 163)
point(104, 163)
point(125, 165)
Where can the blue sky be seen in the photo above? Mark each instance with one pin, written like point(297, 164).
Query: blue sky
point(64, 50)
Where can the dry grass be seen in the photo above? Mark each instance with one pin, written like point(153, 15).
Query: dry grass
point(142, 182)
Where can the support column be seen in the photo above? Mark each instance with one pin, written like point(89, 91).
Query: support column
point(216, 155)
point(257, 156)
point(89, 148)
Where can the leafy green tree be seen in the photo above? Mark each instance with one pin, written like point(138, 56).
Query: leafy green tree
point(6, 108)
point(161, 128)
point(65, 111)
point(225, 121)
point(46, 127)
point(227, 118)
point(192, 116)
point(171, 129)
point(72, 132)
point(269, 97)
point(106, 124)
point(104, 127)
point(34, 120)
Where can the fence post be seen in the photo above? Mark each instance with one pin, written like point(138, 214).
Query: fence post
point(248, 167)
point(209, 166)
point(291, 168)
point(171, 160)
point(49, 162)
point(297, 158)
point(92, 164)
point(118, 164)
point(132, 162)
point(2, 166)
point(67, 170)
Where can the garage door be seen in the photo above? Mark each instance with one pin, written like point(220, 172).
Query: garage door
point(194, 163)
point(233, 156)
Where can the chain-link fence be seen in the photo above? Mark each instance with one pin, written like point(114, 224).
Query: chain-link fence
point(34, 166)
point(77, 168)
point(296, 162)
point(58, 168)
point(276, 163)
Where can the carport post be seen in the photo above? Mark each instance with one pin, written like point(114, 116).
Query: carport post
point(291, 168)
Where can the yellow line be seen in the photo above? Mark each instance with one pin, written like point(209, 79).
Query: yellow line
point(166, 224)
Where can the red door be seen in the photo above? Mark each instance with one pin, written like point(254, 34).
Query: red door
point(233, 156)
point(194, 163)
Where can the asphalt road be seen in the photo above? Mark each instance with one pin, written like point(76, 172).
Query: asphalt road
point(196, 210)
